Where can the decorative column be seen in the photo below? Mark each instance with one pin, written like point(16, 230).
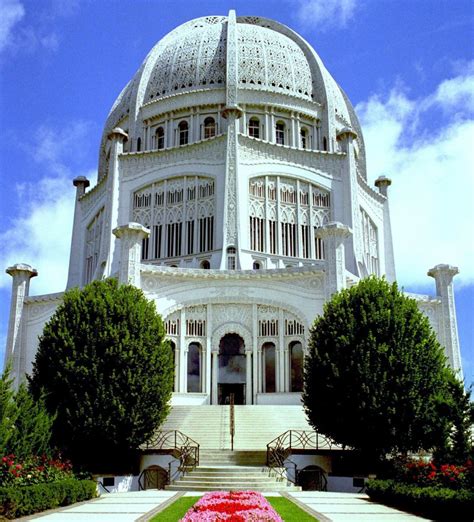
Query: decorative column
point(117, 137)
point(215, 374)
point(131, 236)
point(231, 113)
point(183, 353)
point(280, 355)
point(448, 329)
point(334, 234)
point(21, 275)
point(248, 379)
point(75, 260)
point(382, 183)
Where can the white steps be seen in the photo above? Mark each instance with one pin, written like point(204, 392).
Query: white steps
point(227, 470)
point(255, 426)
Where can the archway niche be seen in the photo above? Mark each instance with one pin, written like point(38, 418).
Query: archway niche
point(232, 377)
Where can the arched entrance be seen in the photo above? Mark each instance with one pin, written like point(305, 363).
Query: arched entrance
point(232, 369)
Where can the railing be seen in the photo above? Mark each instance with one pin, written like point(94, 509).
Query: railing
point(280, 449)
point(232, 421)
point(180, 446)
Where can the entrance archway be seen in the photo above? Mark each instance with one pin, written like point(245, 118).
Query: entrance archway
point(232, 369)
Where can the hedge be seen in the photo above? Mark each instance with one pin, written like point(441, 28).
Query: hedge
point(19, 501)
point(432, 502)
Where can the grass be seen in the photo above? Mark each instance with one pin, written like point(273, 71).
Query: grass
point(176, 510)
point(288, 511)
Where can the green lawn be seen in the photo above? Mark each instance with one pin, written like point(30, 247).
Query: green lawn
point(288, 511)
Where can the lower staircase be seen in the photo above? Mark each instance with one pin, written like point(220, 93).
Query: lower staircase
point(232, 470)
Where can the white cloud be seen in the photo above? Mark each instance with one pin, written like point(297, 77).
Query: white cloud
point(325, 14)
point(433, 186)
point(41, 234)
point(11, 12)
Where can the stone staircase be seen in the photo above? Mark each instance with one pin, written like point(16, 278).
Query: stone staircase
point(227, 470)
point(255, 426)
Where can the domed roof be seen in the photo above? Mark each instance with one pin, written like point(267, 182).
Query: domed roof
point(194, 57)
point(267, 56)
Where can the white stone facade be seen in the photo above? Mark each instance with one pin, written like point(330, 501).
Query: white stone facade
point(232, 189)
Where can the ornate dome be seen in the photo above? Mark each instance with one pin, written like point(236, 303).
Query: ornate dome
point(269, 58)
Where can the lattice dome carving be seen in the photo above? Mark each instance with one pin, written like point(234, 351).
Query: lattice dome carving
point(271, 61)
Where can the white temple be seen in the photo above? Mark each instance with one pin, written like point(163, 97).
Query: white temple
point(232, 189)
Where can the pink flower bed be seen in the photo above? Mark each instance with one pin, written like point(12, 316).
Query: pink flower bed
point(233, 506)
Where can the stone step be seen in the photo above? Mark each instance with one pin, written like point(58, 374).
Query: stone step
point(268, 489)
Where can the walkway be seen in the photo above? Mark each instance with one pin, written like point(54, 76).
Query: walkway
point(348, 507)
point(133, 507)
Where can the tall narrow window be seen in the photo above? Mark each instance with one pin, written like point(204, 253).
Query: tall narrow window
point(325, 143)
point(209, 128)
point(160, 138)
point(173, 350)
point(145, 247)
point(231, 261)
point(257, 237)
point(183, 132)
point(280, 133)
point(268, 351)
point(254, 127)
point(304, 138)
point(296, 366)
point(194, 368)
point(139, 144)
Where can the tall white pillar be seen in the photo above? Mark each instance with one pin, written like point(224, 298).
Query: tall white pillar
point(448, 330)
point(382, 183)
point(21, 274)
point(131, 236)
point(75, 260)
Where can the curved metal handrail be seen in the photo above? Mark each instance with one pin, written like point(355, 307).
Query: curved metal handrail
point(280, 448)
point(185, 448)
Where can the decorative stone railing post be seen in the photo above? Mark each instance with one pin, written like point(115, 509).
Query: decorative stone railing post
point(448, 330)
point(21, 275)
point(334, 234)
point(131, 236)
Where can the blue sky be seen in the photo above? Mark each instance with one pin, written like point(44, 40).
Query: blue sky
point(406, 65)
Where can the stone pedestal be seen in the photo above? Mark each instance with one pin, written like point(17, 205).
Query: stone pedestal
point(131, 236)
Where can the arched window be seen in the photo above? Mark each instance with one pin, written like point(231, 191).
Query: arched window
point(209, 128)
point(304, 138)
point(205, 265)
point(160, 138)
point(325, 143)
point(269, 366)
point(194, 368)
point(256, 265)
point(280, 133)
point(231, 258)
point(183, 132)
point(296, 366)
point(254, 127)
point(139, 144)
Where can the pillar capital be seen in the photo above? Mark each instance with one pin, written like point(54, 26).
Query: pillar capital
point(443, 273)
point(346, 133)
point(21, 270)
point(131, 230)
point(335, 229)
point(382, 183)
point(81, 183)
point(117, 134)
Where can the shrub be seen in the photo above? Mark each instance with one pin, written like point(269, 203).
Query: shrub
point(33, 470)
point(19, 501)
point(432, 502)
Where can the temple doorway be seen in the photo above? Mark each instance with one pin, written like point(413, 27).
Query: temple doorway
point(232, 370)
